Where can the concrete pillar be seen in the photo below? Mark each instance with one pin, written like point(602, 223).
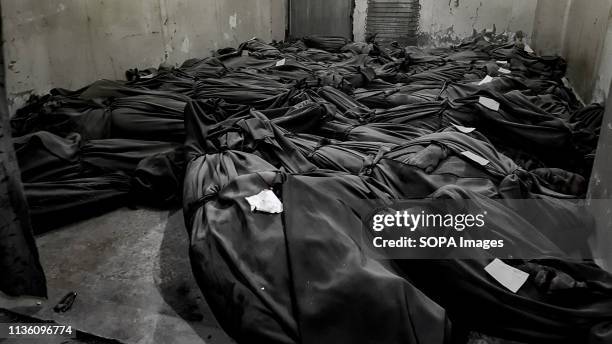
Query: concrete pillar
point(359, 20)
point(600, 192)
point(20, 271)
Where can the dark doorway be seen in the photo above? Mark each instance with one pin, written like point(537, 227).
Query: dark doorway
point(321, 17)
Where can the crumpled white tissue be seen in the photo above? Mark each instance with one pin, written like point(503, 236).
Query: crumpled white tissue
point(265, 201)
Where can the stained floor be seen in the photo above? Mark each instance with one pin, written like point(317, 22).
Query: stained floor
point(130, 269)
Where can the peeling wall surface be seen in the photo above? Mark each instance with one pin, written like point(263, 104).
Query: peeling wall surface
point(445, 22)
point(448, 21)
point(70, 43)
point(578, 30)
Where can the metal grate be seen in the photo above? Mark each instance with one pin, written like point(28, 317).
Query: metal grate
point(393, 20)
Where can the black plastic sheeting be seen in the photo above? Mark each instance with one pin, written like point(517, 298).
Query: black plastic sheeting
point(327, 125)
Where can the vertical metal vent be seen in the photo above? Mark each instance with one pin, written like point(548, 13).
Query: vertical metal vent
point(393, 20)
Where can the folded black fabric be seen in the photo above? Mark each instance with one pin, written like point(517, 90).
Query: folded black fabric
point(56, 203)
point(68, 179)
point(327, 125)
point(328, 43)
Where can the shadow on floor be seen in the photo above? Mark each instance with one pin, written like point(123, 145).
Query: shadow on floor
point(178, 286)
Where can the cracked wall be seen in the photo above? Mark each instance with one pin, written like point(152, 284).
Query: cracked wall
point(70, 43)
point(444, 22)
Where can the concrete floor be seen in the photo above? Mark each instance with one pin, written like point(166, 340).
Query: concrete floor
point(131, 271)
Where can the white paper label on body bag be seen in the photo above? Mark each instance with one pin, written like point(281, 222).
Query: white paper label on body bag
point(502, 62)
point(465, 130)
point(281, 62)
point(528, 49)
point(489, 103)
point(265, 201)
point(508, 276)
point(475, 158)
point(566, 82)
point(504, 71)
point(302, 104)
point(487, 79)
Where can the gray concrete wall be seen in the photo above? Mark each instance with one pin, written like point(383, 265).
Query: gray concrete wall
point(70, 43)
point(600, 193)
point(584, 39)
point(549, 26)
point(581, 32)
point(445, 22)
point(604, 70)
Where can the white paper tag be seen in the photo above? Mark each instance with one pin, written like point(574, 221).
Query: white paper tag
point(565, 82)
point(475, 158)
point(245, 52)
point(302, 104)
point(509, 276)
point(487, 79)
point(528, 49)
point(504, 71)
point(148, 76)
point(265, 201)
point(281, 62)
point(489, 103)
point(502, 62)
point(465, 130)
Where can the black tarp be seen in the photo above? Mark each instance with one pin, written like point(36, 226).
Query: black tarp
point(328, 126)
